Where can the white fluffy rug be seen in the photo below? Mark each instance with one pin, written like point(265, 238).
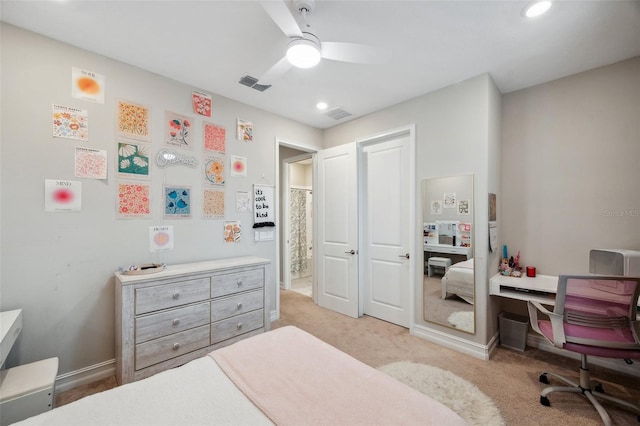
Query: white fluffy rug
point(462, 320)
point(461, 396)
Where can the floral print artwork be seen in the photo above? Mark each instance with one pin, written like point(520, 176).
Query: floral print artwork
point(133, 200)
point(70, 123)
point(244, 130)
point(214, 137)
point(232, 231)
point(177, 202)
point(178, 130)
point(91, 163)
point(133, 160)
point(214, 170)
point(133, 121)
point(201, 103)
point(213, 206)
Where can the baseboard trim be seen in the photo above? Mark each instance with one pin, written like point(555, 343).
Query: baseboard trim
point(536, 341)
point(85, 375)
point(452, 342)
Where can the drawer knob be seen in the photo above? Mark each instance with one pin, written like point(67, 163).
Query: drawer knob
point(176, 295)
point(176, 346)
point(239, 305)
point(176, 321)
point(239, 282)
point(239, 326)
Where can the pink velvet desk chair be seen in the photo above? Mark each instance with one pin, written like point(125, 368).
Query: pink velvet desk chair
point(593, 315)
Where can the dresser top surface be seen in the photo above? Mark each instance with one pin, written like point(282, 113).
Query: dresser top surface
point(194, 268)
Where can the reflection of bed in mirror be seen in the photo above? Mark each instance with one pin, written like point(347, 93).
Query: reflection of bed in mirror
point(458, 280)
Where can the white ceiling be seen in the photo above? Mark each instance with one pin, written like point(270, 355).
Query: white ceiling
point(212, 44)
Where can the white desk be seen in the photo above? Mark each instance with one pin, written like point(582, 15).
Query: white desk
point(10, 328)
point(447, 249)
point(541, 288)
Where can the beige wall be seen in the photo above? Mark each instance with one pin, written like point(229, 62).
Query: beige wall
point(571, 168)
point(455, 133)
point(58, 267)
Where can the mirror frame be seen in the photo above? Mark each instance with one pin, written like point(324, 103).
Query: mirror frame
point(426, 208)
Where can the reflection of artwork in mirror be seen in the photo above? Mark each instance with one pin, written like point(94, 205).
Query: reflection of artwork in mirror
point(449, 199)
point(449, 280)
point(436, 207)
point(463, 207)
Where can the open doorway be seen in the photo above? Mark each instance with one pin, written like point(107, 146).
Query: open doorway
point(296, 174)
point(300, 226)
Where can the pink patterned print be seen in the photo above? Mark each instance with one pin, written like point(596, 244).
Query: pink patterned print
point(90, 165)
point(133, 199)
point(213, 204)
point(214, 138)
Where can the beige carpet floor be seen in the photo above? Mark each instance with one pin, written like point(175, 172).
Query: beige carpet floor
point(510, 378)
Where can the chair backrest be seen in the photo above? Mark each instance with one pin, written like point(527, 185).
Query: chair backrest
point(599, 302)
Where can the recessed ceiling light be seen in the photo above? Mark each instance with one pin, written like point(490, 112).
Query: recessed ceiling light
point(321, 106)
point(536, 8)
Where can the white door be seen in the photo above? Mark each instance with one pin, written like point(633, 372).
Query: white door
point(387, 227)
point(337, 252)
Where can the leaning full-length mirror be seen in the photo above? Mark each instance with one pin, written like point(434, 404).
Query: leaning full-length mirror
point(449, 280)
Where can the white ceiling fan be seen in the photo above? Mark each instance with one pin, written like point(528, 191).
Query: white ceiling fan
point(305, 49)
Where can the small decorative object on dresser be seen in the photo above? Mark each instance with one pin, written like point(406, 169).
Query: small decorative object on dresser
point(166, 319)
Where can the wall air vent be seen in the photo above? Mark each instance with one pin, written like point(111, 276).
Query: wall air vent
point(252, 82)
point(337, 113)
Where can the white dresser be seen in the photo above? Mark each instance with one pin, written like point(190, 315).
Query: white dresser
point(168, 318)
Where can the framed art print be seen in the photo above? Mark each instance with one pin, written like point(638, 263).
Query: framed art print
point(215, 137)
point(177, 202)
point(134, 121)
point(133, 200)
point(133, 159)
point(178, 130)
point(214, 170)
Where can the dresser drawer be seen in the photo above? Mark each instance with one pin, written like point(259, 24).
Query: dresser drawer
point(235, 305)
point(151, 299)
point(158, 350)
point(225, 284)
point(162, 324)
point(234, 326)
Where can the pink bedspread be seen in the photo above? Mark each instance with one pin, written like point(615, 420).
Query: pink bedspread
point(297, 379)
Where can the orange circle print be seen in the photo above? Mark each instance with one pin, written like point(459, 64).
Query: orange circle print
point(88, 85)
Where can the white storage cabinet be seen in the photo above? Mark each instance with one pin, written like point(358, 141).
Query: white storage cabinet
point(168, 318)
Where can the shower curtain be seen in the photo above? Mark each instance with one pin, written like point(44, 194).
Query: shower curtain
point(298, 229)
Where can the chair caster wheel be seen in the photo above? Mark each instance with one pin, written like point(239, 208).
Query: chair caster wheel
point(544, 379)
point(545, 401)
point(599, 388)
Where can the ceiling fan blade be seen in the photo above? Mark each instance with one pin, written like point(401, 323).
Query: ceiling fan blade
point(281, 15)
point(276, 71)
point(356, 53)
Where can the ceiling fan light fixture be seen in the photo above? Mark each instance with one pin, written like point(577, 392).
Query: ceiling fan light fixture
point(303, 53)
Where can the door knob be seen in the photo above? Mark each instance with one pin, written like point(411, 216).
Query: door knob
point(351, 252)
point(404, 255)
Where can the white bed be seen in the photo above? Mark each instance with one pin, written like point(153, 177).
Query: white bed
point(458, 280)
point(285, 376)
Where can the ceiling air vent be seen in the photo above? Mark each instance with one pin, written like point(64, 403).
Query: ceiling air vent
point(337, 113)
point(252, 82)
